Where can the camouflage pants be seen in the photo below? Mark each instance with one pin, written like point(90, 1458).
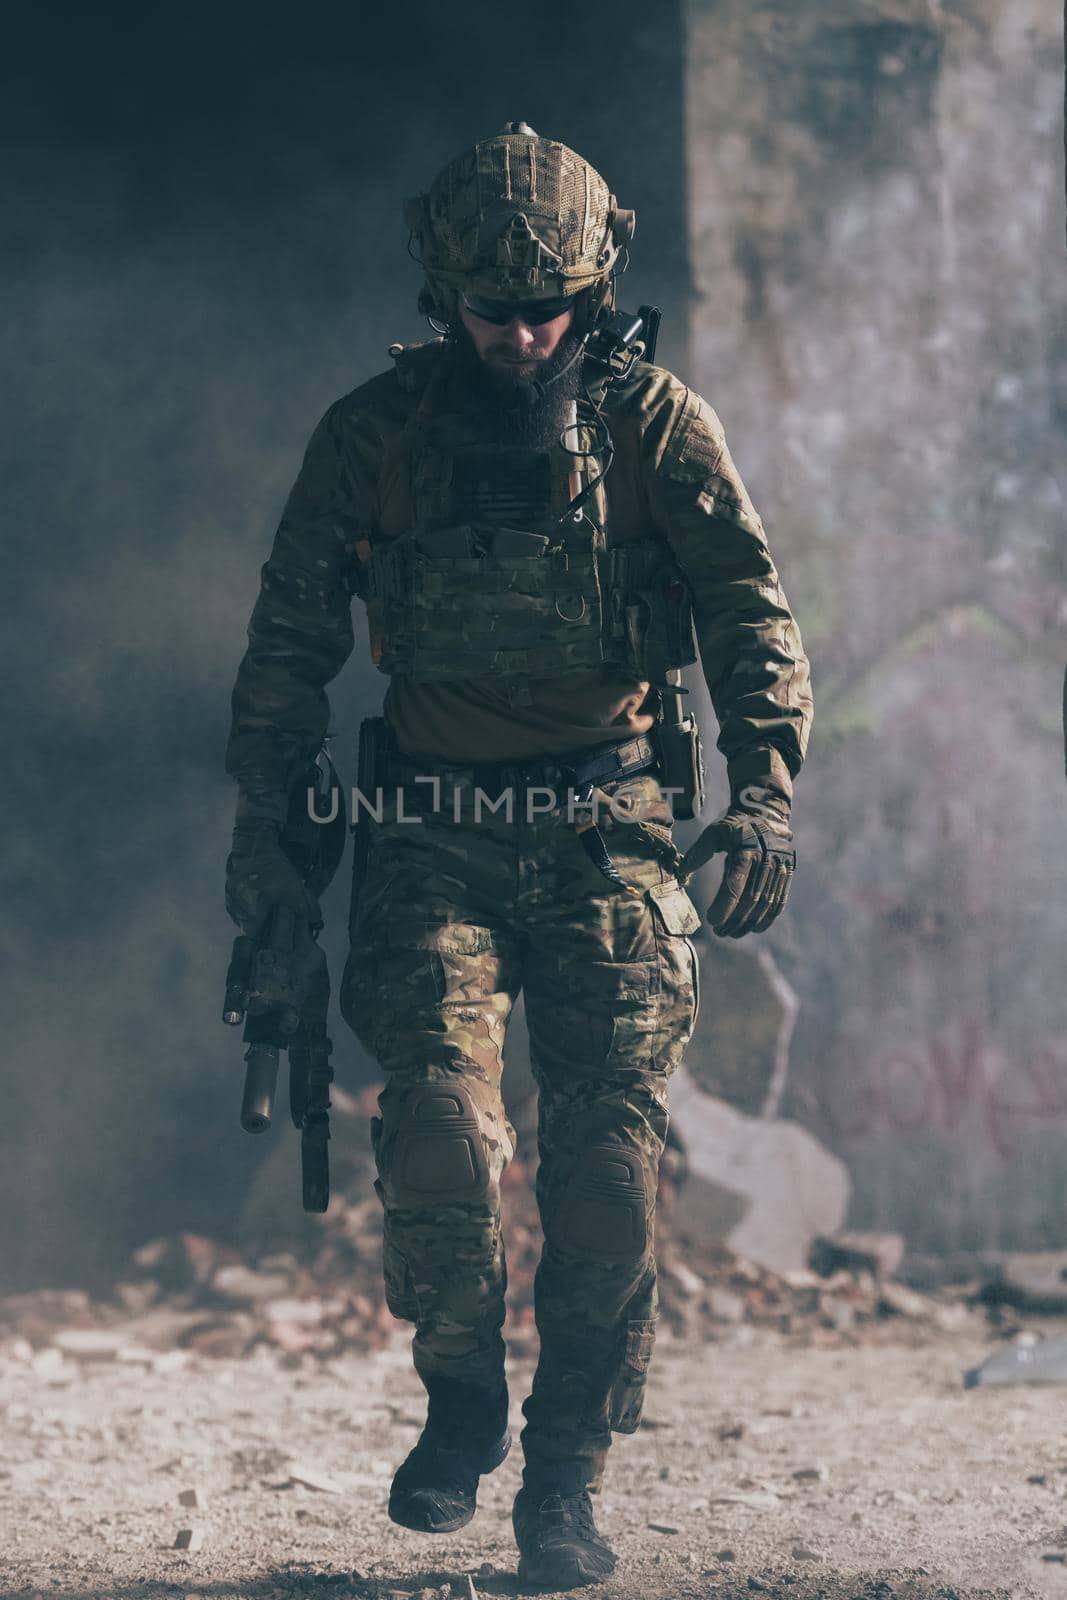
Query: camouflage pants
point(455, 916)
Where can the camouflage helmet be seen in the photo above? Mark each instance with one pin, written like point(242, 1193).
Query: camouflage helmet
point(515, 217)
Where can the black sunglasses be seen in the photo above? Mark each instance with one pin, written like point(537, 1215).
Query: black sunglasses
point(532, 312)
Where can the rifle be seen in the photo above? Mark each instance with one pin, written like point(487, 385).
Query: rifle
point(278, 985)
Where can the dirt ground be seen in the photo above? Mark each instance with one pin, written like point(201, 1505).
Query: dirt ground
point(763, 1468)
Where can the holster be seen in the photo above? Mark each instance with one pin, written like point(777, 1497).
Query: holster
point(676, 735)
point(681, 763)
point(374, 739)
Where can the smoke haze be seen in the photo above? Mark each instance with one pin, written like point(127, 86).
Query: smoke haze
point(202, 249)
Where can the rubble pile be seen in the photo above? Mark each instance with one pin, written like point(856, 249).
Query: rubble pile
point(191, 1293)
point(324, 1295)
point(311, 1288)
point(704, 1286)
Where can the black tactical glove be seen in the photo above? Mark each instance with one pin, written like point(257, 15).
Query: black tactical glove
point(259, 875)
point(755, 834)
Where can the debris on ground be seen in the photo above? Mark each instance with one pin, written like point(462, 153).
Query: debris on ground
point(307, 1478)
point(189, 1296)
point(1026, 1360)
point(1035, 1283)
point(879, 1254)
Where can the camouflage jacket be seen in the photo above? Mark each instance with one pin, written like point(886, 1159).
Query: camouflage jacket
point(672, 474)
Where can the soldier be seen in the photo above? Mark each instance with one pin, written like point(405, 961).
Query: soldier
point(535, 520)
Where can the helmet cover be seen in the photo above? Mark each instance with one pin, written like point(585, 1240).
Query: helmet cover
point(516, 217)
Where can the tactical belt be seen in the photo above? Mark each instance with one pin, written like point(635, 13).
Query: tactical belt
point(577, 769)
point(580, 770)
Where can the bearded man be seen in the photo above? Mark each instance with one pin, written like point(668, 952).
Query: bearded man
point(537, 521)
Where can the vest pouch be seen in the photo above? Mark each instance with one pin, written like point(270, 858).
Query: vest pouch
point(669, 636)
point(635, 659)
point(469, 539)
point(514, 542)
point(445, 614)
point(436, 542)
point(628, 609)
point(651, 611)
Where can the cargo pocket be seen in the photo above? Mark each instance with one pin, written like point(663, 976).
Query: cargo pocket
point(627, 1396)
point(676, 918)
point(675, 912)
point(398, 1280)
point(624, 1002)
point(384, 984)
point(432, 962)
point(416, 978)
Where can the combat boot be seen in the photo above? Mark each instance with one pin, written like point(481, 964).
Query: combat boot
point(435, 1490)
point(559, 1546)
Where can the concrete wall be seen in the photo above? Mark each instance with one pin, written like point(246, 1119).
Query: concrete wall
point(876, 230)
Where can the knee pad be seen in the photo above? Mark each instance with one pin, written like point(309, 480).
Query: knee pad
point(604, 1208)
point(437, 1154)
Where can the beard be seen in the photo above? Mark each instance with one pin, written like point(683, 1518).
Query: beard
point(496, 399)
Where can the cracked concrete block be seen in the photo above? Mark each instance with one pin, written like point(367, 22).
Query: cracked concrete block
point(767, 1187)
